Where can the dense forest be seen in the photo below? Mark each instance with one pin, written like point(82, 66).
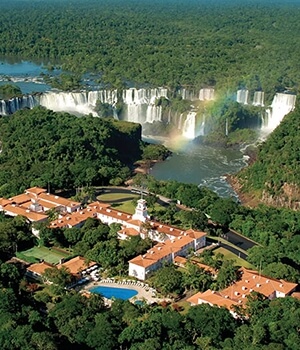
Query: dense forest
point(43, 148)
point(252, 44)
point(35, 316)
point(51, 317)
point(274, 176)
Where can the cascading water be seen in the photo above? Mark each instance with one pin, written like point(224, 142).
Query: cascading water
point(189, 126)
point(188, 94)
point(282, 104)
point(242, 96)
point(206, 94)
point(140, 107)
point(12, 105)
point(73, 102)
point(201, 129)
point(180, 122)
point(104, 96)
point(258, 98)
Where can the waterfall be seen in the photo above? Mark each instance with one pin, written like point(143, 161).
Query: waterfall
point(226, 127)
point(153, 114)
point(140, 105)
point(12, 105)
point(206, 94)
point(242, 96)
point(180, 122)
point(258, 98)
point(188, 94)
point(104, 96)
point(282, 104)
point(200, 131)
point(73, 102)
point(189, 126)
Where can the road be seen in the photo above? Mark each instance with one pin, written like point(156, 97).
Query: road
point(130, 190)
point(239, 240)
point(235, 251)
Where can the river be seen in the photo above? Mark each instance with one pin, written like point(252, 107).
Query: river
point(24, 74)
point(190, 162)
point(199, 164)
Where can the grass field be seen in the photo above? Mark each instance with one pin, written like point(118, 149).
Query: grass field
point(120, 201)
point(127, 207)
point(230, 256)
point(117, 197)
point(38, 253)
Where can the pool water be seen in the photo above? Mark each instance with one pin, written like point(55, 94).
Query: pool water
point(111, 292)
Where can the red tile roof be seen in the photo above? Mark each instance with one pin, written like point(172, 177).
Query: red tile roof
point(39, 268)
point(59, 201)
point(161, 251)
point(250, 281)
point(129, 232)
point(35, 190)
point(77, 265)
point(30, 215)
point(73, 219)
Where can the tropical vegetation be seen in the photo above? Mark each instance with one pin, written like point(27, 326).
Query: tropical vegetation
point(273, 177)
point(43, 148)
point(171, 43)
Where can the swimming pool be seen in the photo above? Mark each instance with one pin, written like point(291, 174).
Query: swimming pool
point(111, 292)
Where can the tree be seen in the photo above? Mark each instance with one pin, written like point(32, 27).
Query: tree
point(197, 278)
point(43, 341)
point(227, 274)
point(62, 277)
point(105, 253)
point(168, 280)
point(9, 276)
point(104, 110)
point(102, 336)
point(98, 234)
point(213, 322)
point(8, 91)
point(222, 211)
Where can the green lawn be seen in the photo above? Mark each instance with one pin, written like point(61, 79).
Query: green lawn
point(120, 201)
point(117, 197)
point(127, 207)
point(38, 253)
point(231, 256)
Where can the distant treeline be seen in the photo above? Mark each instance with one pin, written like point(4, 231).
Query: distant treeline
point(252, 44)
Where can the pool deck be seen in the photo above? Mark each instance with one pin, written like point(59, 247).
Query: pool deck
point(145, 293)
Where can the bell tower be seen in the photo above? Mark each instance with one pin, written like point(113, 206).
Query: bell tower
point(141, 212)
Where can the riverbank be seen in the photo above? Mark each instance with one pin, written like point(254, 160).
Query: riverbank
point(145, 166)
point(246, 199)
